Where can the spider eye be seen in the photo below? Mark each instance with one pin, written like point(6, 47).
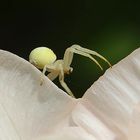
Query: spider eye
point(42, 56)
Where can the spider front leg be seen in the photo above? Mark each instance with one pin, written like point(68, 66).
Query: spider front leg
point(62, 82)
point(90, 52)
point(68, 56)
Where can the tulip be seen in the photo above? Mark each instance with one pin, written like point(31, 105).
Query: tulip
point(109, 110)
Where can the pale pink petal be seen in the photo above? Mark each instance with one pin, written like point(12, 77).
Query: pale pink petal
point(28, 110)
point(115, 94)
point(90, 122)
point(108, 111)
point(134, 125)
point(69, 133)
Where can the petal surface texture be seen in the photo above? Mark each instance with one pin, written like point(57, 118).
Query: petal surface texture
point(115, 95)
point(27, 109)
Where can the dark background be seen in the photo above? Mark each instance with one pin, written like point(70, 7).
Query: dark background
point(111, 28)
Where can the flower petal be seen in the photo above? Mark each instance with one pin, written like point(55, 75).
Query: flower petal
point(90, 122)
point(69, 133)
point(27, 109)
point(134, 125)
point(116, 93)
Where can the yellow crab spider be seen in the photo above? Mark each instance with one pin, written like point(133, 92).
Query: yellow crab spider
point(44, 58)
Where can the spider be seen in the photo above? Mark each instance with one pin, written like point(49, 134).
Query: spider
point(44, 58)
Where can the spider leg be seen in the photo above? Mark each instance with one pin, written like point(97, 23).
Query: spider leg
point(89, 56)
point(85, 50)
point(52, 75)
point(62, 82)
point(48, 68)
point(68, 56)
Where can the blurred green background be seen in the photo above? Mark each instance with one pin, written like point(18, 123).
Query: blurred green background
point(112, 28)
